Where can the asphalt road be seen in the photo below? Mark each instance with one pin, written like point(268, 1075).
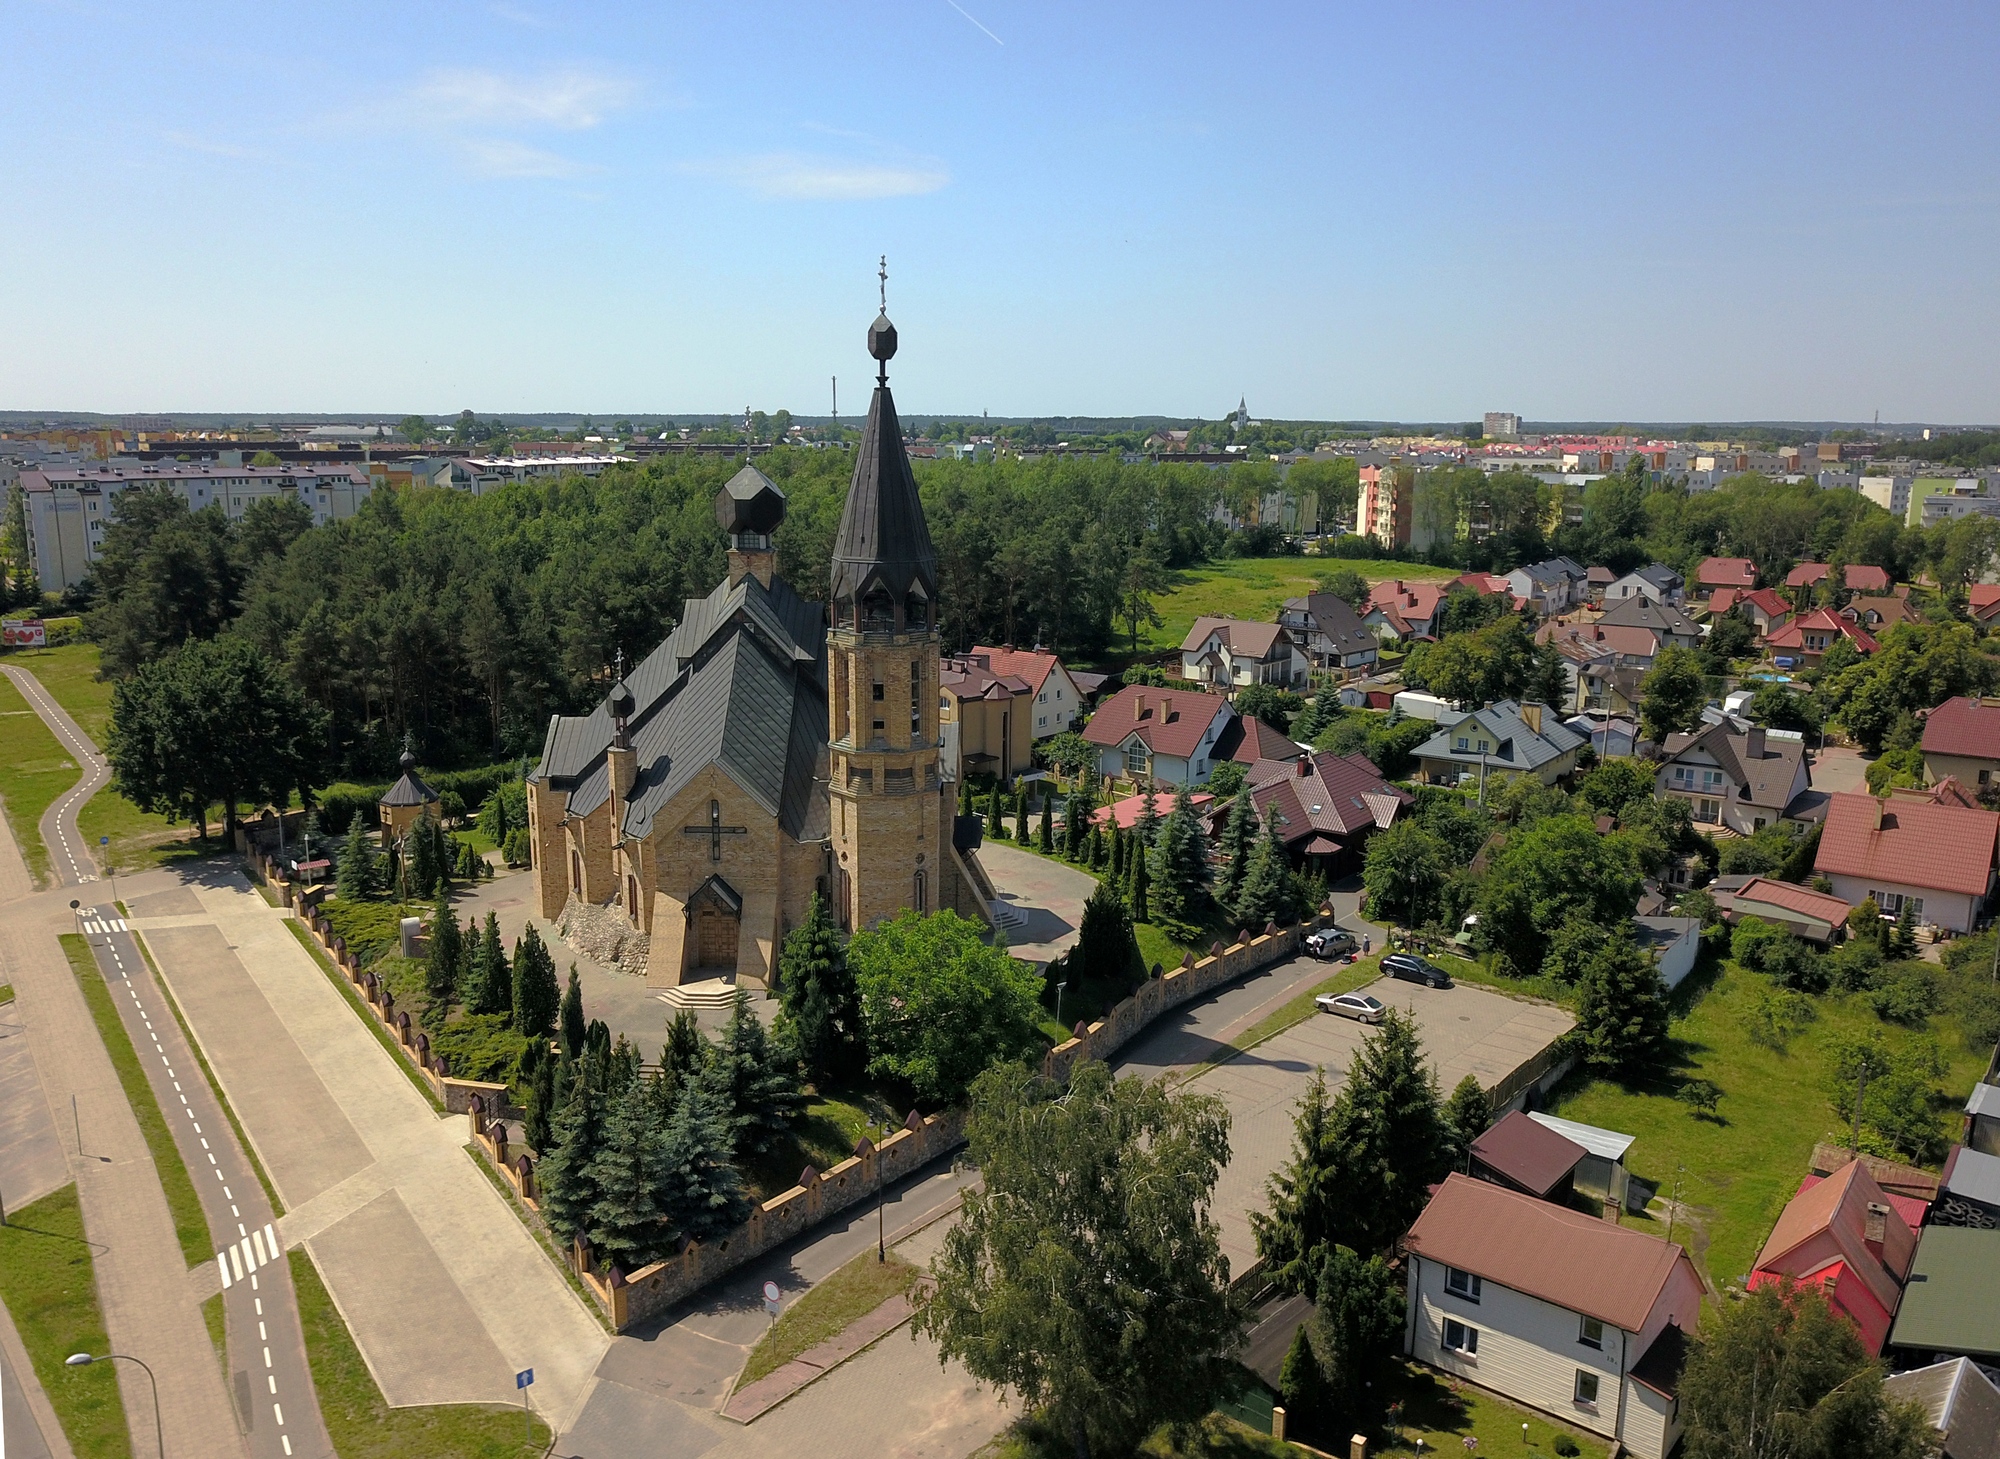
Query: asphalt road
point(70, 858)
point(269, 1377)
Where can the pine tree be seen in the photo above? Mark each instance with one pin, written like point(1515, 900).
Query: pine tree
point(1903, 942)
point(1302, 1386)
point(993, 827)
point(441, 970)
point(702, 1197)
point(535, 995)
point(1146, 827)
point(1077, 824)
point(492, 978)
point(1180, 864)
point(1106, 951)
point(538, 1127)
point(1266, 891)
point(965, 806)
point(1468, 1112)
point(685, 1052)
point(1045, 834)
point(1136, 885)
point(764, 1098)
point(568, 1186)
point(1020, 817)
point(359, 875)
point(1238, 838)
point(822, 1008)
point(570, 1022)
point(1621, 1009)
point(630, 1172)
point(1096, 848)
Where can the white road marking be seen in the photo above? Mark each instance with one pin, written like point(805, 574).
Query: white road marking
point(222, 1261)
point(236, 1260)
point(271, 1240)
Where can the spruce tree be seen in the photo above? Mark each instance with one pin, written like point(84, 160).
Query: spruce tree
point(993, 826)
point(1106, 951)
point(630, 1173)
point(1021, 817)
point(359, 875)
point(1117, 855)
point(1095, 853)
point(1302, 1386)
point(441, 969)
point(821, 1013)
point(492, 978)
point(1078, 823)
point(568, 1185)
point(764, 1098)
point(467, 982)
point(702, 1195)
point(1621, 1009)
point(1180, 864)
point(539, 1125)
point(536, 997)
point(685, 1052)
point(1137, 881)
point(1238, 838)
point(1903, 942)
point(1266, 891)
point(570, 1022)
point(1146, 826)
point(1468, 1113)
point(1045, 834)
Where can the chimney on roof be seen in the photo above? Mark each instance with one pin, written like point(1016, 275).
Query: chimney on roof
point(1874, 1227)
point(1876, 816)
point(1753, 742)
point(1304, 766)
point(1138, 706)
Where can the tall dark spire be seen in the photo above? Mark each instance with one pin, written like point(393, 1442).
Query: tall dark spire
point(883, 541)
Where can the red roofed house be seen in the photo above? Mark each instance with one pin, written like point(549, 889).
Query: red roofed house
point(1962, 738)
point(1859, 577)
point(1982, 601)
point(1525, 1156)
point(1807, 638)
point(1058, 699)
point(1941, 857)
point(1327, 807)
point(1250, 741)
point(1726, 572)
point(1397, 609)
point(1564, 1312)
point(1801, 911)
point(1722, 600)
point(1124, 814)
point(1842, 1234)
point(1767, 610)
point(1170, 736)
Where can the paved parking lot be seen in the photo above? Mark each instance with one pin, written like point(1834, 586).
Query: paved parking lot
point(1465, 1030)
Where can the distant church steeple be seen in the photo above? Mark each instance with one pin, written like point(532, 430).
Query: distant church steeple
point(883, 734)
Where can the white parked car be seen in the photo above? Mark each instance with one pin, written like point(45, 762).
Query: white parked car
point(1332, 942)
point(1351, 1005)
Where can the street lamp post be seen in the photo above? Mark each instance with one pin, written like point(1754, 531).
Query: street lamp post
point(84, 1360)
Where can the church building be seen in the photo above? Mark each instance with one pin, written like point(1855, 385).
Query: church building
point(770, 748)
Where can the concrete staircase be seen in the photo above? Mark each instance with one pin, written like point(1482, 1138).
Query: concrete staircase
point(713, 993)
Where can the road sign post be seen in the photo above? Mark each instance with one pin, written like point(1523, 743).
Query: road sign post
point(771, 1304)
point(522, 1381)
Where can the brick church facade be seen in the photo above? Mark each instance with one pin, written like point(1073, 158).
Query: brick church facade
point(771, 747)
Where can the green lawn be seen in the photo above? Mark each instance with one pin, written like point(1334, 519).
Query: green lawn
point(1738, 1170)
point(51, 1292)
point(190, 1222)
point(361, 1423)
point(69, 674)
point(34, 770)
point(851, 1293)
point(6, 992)
point(1253, 588)
point(824, 1138)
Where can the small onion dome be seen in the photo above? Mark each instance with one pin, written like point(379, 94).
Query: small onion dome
point(882, 338)
point(621, 703)
point(408, 762)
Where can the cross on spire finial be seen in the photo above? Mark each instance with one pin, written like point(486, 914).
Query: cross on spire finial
point(618, 665)
point(882, 273)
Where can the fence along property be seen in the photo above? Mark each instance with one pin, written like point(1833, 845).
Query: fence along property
point(628, 1298)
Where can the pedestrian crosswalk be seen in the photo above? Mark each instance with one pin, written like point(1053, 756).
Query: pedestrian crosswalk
point(257, 1249)
point(104, 924)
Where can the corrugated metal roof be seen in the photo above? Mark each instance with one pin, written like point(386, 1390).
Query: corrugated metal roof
point(1951, 1302)
point(1605, 1144)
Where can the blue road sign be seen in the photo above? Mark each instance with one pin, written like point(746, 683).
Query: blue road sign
point(104, 840)
point(523, 1378)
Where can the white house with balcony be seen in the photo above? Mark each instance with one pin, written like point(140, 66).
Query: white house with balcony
point(1230, 654)
point(1563, 1312)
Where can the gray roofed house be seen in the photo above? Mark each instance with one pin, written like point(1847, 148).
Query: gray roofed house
point(1665, 621)
point(1735, 774)
point(1959, 1401)
point(1551, 585)
point(1503, 739)
point(1332, 633)
point(1654, 582)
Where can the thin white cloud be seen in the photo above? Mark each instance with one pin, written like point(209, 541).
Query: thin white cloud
point(802, 175)
point(498, 157)
point(193, 143)
point(571, 99)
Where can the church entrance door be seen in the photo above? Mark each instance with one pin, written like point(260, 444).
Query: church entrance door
point(716, 912)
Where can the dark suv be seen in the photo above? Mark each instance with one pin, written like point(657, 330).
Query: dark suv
point(1413, 969)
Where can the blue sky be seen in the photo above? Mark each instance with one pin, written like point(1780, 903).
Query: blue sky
point(1405, 211)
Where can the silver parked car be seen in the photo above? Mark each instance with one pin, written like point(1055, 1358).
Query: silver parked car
point(1351, 1005)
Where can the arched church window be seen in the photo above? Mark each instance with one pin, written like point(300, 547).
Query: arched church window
point(917, 894)
point(632, 898)
point(576, 873)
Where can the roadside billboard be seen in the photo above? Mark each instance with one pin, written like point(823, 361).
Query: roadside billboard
point(24, 633)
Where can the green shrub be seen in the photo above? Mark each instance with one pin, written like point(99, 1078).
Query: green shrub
point(372, 929)
point(480, 1046)
point(1905, 993)
point(1566, 1446)
point(515, 850)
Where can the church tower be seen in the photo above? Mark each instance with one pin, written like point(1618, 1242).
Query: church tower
point(887, 801)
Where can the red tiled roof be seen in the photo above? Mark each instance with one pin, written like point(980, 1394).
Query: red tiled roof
point(1827, 1222)
point(1170, 721)
point(1949, 791)
point(1860, 577)
point(1726, 572)
point(1807, 903)
point(1793, 634)
point(1408, 599)
point(1908, 843)
point(1983, 599)
point(1583, 1263)
point(1768, 601)
point(1245, 637)
point(1249, 740)
point(1531, 1155)
point(1339, 794)
point(1124, 814)
point(1022, 663)
point(1964, 726)
point(1805, 574)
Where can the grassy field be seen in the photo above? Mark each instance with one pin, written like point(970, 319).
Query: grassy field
point(190, 1222)
point(851, 1293)
point(34, 770)
point(361, 1423)
point(50, 1290)
point(1252, 588)
point(1737, 1171)
point(69, 674)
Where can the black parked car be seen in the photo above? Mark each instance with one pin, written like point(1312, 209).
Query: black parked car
point(1413, 969)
